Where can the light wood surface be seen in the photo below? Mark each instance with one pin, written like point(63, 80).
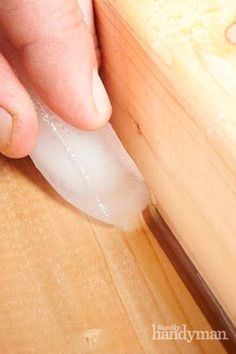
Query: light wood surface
point(172, 88)
point(71, 285)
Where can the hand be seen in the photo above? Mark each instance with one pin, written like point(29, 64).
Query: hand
point(56, 44)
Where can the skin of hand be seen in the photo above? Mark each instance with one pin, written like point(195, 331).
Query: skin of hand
point(57, 43)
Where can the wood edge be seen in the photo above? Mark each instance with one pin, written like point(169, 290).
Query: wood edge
point(191, 277)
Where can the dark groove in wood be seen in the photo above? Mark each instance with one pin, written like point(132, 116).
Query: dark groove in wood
point(191, 277)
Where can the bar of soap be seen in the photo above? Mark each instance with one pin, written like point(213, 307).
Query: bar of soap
point(91, 170)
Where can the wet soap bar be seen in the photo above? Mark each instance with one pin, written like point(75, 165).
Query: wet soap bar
point(91, 170)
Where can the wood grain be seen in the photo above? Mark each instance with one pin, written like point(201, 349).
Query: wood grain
point(191, 277)
point(71, 285)
point(168, 117)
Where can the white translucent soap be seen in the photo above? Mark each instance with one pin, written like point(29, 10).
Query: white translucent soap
point(91, 170)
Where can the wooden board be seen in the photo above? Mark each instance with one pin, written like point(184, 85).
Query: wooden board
point(71, 285)
point(177, 120)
